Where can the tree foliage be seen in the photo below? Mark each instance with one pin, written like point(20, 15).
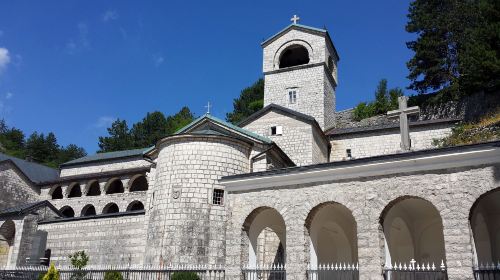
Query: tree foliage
point(38, 147)
point(52, 273)
point(79, 260)
point(385, 100)
point(113, 275)
point(251, 100)
point(457, 49)
point(185, 275)
point(144, 133)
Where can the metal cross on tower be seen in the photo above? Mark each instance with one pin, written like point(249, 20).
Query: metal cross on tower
point(208, 107)
point(295, 19)
point(403, 112)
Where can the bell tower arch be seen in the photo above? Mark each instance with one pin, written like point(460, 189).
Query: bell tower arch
point(300, 71)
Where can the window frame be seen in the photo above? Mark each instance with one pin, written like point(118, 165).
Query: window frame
point(221, 198)
point(276, 130)
point(292, 96)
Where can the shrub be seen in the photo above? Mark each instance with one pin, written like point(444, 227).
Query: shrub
point(52, 273)
point(79, 260)
point(113, 275)
point(184, 275)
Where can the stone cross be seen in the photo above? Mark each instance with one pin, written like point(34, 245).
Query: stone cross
point(403, 112)
point(208, 107)
point(295, 19)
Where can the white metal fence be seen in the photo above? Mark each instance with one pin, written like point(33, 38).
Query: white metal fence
point(341, 271)
point(416, 271)
point(269, 272)
point(488, 271)
point(204, 272)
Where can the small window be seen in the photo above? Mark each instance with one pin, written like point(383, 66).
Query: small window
point(292, 97)
point(218, 197)
point(349, 153)
point(277, 130)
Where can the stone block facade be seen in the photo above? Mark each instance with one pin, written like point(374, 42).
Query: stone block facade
point(300, 140)
point(118, 240)
point(452, 192)
point(385, 142)
point(15, 187)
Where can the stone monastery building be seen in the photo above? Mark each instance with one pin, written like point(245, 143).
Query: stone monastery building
point(296, 183)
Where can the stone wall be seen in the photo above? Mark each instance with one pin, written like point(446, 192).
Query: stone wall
point(15, 188)
point(383, 142)
point(185, 227)
point(104, 166)
point(114, 240)
point(296, 140)
point(452, 192)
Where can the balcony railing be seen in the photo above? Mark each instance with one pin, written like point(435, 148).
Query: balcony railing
point(416, 271)
point(271, 272)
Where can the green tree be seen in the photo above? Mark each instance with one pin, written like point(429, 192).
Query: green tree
point(381, 97)
point(251, 100)
point(385, 100)
point(185, 275)
point(179, 120)
point(480, 62)
point(70, 152)
point(152, 128)
point(113, 275)
point(79, 260)
point(52, 273)
point(119, 138)
point(394, 94)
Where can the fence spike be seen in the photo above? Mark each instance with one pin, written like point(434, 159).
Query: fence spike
point(433, 266)
point(443, 267)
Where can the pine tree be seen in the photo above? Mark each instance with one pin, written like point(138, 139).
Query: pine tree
point(119, 138)
point(251, 100)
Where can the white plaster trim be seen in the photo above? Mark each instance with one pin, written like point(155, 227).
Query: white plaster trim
point(483, 156)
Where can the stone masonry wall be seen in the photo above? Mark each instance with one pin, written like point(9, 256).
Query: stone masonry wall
point(104, 166)
point(15, 189)
point(385, 142)
point(296, 140)
point(108, 241)
point(311, 95)
point(185, 227)
point(453, 193)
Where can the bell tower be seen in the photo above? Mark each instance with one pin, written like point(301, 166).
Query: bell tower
point(300, 71)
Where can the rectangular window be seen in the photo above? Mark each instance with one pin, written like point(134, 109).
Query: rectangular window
point(292, 97)
point(277, 130)
point(349, 153)
point(218, 197)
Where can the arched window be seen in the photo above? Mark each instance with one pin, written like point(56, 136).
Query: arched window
point(110, 208)
point(294, 55)
point(75, 191)
point(88, 210)
point(115, 186)
point(94, 189)
point(139, 184)
point(135, 206)
point(67, 212)
point(7, 234)
point(57, 193)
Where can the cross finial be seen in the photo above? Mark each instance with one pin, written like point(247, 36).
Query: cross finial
point(295, 19)
point(208, 107)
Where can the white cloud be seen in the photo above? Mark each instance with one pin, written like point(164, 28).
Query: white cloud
point(9, 95)
point(4, 59)
point(81, 42)
point(104, 122)
point(110, 15)
point(158, 59)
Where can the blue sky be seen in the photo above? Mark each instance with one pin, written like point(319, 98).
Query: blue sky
point(72, 67)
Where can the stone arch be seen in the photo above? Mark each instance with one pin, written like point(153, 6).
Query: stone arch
point(332, 234)
point(290, 45)
point(294, 55)
point(135, 205)
point(67, 211)
point(88, 210)
point(110, 208)
point(113, 186)
point(412, 229)
point(484, 220)
point(56, 192)
point(138, 183)
point(7, 235)
point(264, 238)
point(93, 188)
point(74, 190)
